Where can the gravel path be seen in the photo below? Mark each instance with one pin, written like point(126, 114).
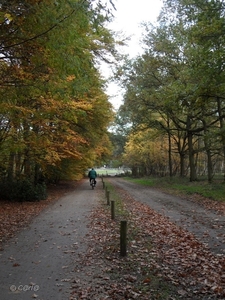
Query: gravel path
point(207, 225)
point(39, 262)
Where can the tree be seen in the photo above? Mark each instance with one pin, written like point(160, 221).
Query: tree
point(54, 112)
point(178, 83)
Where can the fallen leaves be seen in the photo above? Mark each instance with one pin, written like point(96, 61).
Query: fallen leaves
point(208, 203)
point(17, 215)
point(182, 258)
point(34, 296)
point(104, 274)
point(163, 261)
point(16, 265)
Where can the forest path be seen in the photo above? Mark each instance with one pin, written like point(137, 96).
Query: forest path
point(39, 261)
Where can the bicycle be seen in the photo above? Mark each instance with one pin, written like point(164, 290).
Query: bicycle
point(92, 183)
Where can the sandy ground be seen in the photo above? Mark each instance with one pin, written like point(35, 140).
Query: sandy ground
point(39, 262)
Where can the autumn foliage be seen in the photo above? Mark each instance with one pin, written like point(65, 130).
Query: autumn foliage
point(175, 87)
point(54, 111)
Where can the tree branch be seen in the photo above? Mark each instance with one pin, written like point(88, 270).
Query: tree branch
point(41, 34)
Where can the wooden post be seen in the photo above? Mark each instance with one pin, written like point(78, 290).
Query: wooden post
point(103, 185)
point(107, 196)
point(123, 238)
point(112, 210)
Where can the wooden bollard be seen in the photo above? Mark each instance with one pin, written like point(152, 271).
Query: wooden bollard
point(112, 210)
point(103, 183)
point(123, 238)
point(107, 197)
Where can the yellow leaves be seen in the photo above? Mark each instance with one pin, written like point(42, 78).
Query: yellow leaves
point(80, 105)
point(22, 74)
point(8, 17)
point(5, 17)
point(52, 157)
point(70, 78)
point(145, 147)
point(53, 85)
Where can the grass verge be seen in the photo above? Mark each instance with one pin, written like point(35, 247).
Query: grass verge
point(214, 191)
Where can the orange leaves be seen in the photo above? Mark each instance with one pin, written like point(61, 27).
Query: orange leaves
point(70, 78)
point(15, 215)
point(183, 259)
point(163, 262)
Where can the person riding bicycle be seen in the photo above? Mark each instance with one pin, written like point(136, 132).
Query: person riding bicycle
point(92, 175)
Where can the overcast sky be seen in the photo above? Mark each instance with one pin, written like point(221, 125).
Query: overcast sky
point(128, 16)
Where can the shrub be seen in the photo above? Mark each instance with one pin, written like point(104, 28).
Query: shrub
point(23, 190)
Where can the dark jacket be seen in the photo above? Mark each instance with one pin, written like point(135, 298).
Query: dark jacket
point(92, 174)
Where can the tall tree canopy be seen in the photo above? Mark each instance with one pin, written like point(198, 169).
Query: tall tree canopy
point(177, 85)
point(54, 112)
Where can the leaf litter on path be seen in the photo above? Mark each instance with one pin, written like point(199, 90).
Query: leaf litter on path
point(163, 260)
point(17, 215)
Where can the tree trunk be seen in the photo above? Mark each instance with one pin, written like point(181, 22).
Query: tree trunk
point(209, 166)
point(10, 170)
point(134, 171)
point(222, 134)
point(193, 173)
point(208, 153)
point(170, 150)
point(182, 160)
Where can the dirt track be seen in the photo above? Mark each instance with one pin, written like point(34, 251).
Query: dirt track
point(208, 225)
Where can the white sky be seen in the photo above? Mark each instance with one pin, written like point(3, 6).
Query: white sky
point(129, 15)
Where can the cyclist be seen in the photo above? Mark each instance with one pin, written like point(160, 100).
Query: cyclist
point(92, 175)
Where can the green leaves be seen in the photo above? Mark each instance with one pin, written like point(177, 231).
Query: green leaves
point(56, 107)
point(177, 85)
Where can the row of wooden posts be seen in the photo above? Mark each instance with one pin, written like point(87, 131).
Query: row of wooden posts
point(123, 224)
